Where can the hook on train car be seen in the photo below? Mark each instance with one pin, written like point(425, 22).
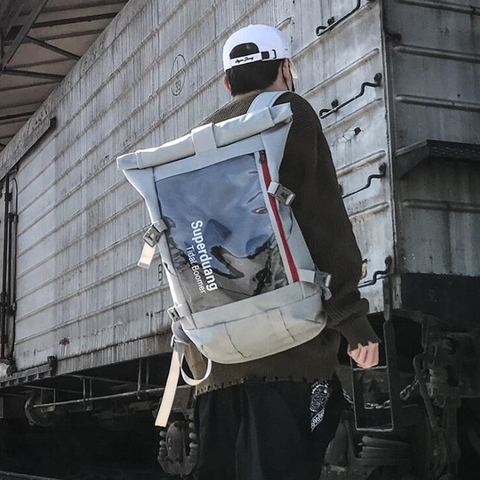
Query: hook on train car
point(332, 23)
point(382, 171)
point(326, 112)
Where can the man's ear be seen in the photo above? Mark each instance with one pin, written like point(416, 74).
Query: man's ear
point(284, 67)
point(227, 84)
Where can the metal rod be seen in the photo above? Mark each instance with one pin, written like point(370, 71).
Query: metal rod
point(96, 399)
point(101, 379)
point(20, 476)
point(11, 223)
point(391, 360)
point(147, 380)
point(14, 116)
point(14, 268)
point(3, 297)
point(72, 7)
point(139, 377)
point(53, 48)
point(22, 87)
point(380, 367)
point(11, 17)
point(68, 21)
point(5, 11)
point(36, 387)
point(27, 73)
point(37, 7)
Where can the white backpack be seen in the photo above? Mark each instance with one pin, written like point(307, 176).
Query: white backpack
point(243, 282)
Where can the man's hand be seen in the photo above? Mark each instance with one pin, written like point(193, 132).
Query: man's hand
point(365, 356)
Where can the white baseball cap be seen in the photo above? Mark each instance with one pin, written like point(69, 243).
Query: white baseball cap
point(269, 44)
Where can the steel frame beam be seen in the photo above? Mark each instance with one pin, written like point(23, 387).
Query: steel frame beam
point(68, 21)
point(15, 115)
point(78, 6)
point(9, 13)
point(69, 35)
point(30, 85)
point(53, 48)
point(30, 20)
point(26, 73)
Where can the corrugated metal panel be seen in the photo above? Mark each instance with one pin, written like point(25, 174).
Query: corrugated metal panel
point(154, 74)
point(334, 67)
point(148, 79)
point(79, 289)
point(435, 94)
point(434, 71)
point(441, 218)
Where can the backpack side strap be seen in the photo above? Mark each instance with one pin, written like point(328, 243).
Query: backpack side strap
point(178, 355)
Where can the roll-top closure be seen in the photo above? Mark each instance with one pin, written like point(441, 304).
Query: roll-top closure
point(207, 137)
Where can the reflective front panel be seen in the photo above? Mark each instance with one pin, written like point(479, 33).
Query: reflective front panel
point(220, 236)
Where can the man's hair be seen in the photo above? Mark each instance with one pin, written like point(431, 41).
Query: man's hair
point(251, 76)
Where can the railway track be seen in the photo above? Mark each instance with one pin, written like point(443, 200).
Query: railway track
point(21, 476)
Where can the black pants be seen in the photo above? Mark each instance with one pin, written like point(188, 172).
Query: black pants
point(261, 431)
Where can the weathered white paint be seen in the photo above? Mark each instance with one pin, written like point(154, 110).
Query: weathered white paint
point(152, 75)
point(79, 290)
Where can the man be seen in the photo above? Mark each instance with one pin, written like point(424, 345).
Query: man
point(272, 418)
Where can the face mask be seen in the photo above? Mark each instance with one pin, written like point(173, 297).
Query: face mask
point(285, 80)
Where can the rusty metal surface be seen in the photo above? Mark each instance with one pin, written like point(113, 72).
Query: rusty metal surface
point(434, 95)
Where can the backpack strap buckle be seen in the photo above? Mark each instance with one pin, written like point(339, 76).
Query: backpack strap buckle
point(154, 232)
point(151, 238)
point(174, 315)
point(323, 278)
point(315, 276)
point(281, 193)
point(177, 312)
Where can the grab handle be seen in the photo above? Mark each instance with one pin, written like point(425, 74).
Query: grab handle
point(325, 112)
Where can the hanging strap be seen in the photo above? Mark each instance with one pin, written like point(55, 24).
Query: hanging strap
point(151, 238)
point(172, 382)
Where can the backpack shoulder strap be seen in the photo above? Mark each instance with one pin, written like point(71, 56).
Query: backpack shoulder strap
point(265, 99)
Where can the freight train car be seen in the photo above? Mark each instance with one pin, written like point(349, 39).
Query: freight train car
point(396, 86)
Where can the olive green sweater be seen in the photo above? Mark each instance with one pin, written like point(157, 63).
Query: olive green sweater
point(307, 170)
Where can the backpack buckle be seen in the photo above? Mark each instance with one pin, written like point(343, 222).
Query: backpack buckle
point(174, 315)
point(152, 236)
point(323, 278)
point(281, 193)
point(178, 311)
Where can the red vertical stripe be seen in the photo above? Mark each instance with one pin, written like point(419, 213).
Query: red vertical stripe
point(273, 204)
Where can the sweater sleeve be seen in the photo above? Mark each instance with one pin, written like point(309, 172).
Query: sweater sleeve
point(308, 170)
